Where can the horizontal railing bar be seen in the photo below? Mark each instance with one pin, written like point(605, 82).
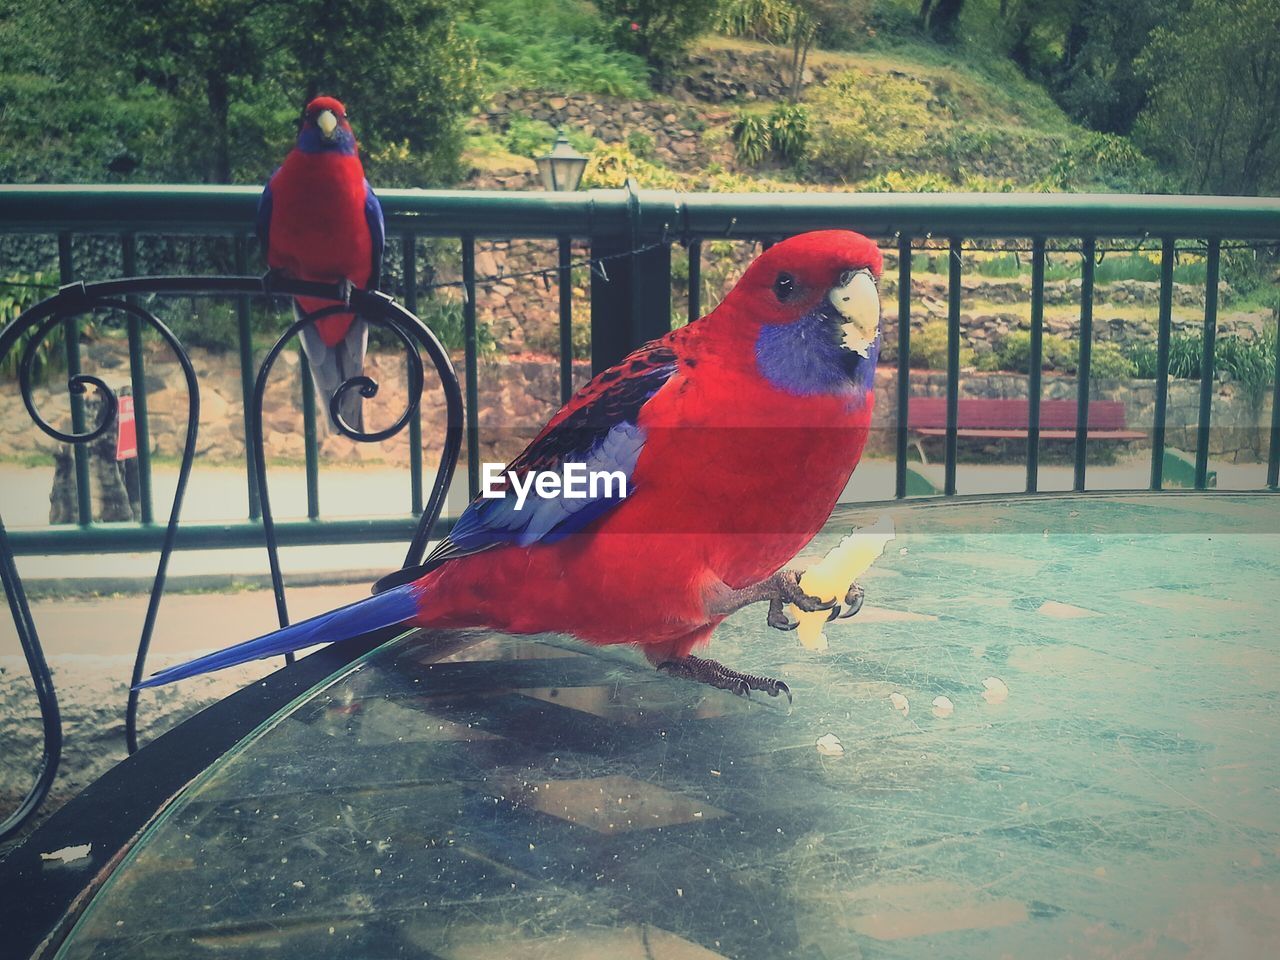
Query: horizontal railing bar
point(133, 538)
point(221, 209)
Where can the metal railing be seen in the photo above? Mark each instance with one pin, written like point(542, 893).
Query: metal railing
point(630, 234)
point(76, 300)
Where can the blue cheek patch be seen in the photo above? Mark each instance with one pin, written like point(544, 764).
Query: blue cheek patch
point(805, 358)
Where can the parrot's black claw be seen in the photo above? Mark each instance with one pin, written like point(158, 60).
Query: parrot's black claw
point(790, 591)
point(717, 675)
point(853, 601)
point(345, 287)
point(778, 618)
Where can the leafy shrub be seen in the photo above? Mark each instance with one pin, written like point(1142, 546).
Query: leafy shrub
point(1106, 160)
point(752, 138)
point(789, 131)
point(658, 30)
point(611, 164)
point(533, 138)
point(866, 117)
point(641, 144)
point(1107, 361)
point(1251, 363)
point(772, 21)
point(896, 181)
point(530, 45)
point(929, 347)
point(18, 293)
point(445, 319)
point(782, 135)
point(1013, 352)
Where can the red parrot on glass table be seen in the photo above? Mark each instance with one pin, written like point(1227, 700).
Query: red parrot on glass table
point(318, 219)
point(736, 435)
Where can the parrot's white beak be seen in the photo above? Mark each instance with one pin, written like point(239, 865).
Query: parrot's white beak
point(327, 123)
point(858, 301)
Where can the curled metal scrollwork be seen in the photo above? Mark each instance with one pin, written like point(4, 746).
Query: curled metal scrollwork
point(365, 385)
point(77, 385)
point(380, 311)
point(78, 299)
point(38, 322)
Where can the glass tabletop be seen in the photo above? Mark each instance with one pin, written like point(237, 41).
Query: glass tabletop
point(476, 796)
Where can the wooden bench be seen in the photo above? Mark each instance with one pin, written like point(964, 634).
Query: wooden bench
point(998, 419)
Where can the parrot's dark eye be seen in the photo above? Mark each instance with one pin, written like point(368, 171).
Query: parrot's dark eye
point(784, 287)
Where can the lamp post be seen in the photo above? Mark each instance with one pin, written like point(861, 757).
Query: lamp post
point(561, 171)
point(562, 168)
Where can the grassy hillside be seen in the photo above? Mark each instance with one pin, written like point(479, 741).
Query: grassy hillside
point(911, 118)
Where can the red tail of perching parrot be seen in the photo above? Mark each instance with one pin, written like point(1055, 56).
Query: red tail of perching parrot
point(319, 220)
point(734, 437)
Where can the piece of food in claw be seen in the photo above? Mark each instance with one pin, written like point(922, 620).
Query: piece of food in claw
point(995, 690)
point(830, 577)
point(858, 301)
point(829, 745)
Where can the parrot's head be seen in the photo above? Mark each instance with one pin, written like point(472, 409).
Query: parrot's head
point(325, 128)
point(812, 305)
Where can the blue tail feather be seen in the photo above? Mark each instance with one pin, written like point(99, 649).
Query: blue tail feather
point(356, 619)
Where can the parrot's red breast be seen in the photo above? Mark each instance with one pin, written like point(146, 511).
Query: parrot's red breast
point(318, 223)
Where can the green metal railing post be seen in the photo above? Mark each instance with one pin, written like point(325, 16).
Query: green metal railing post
point(1082, 365)
point(630, 288)
point(244, 340)
point(1035, 363)
point(904, 369)
point(695, 280)
point(71, 347)
point(954, 263)
point(138, 383)
point(472, 363)
point(409, 252)
point(1206, 362)
point(564, 282)
point(310, 445)
point(1165, 327)
point(1273, 450)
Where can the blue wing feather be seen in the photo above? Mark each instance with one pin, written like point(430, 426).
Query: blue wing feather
point(377, 233)
point(602, 435)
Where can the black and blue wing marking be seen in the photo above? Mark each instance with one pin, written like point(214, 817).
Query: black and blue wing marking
point(598, 429)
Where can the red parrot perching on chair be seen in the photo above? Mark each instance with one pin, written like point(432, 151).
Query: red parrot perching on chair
point(318, 219)
point(736, 435)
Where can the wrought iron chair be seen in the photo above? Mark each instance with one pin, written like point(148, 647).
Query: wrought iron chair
point(29, 330)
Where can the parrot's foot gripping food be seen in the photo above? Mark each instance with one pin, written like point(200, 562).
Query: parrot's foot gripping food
point(722, 678)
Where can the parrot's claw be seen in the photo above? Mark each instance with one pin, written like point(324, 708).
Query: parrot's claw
point(853, 601)
point(717, 675)
point(345, 287)
point(778, 618)
point(790, 591)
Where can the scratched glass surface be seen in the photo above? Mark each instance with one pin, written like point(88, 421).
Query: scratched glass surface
point(473, 796)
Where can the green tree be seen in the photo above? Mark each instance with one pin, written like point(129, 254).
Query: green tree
point(199, 53)
point(939, 18)
point(1214, 110)
point(401, 69)
point(1095, 79)
point(658, 30)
